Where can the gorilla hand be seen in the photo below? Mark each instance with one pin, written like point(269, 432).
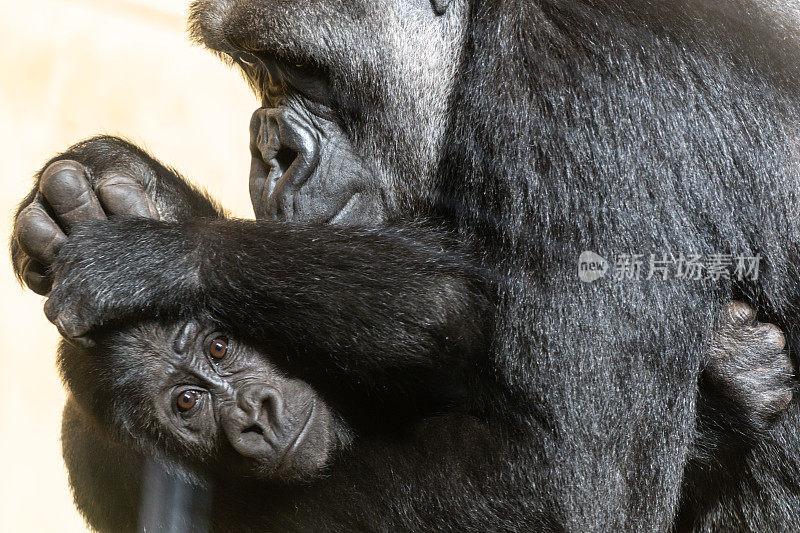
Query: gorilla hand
point(750, 370)
point(97, 178)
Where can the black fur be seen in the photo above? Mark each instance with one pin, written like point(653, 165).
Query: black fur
point(618, 127)
point(637, 128)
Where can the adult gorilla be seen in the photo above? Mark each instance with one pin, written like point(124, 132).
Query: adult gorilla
point(529, 131)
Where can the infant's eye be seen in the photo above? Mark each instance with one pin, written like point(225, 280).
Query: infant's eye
point(218, 348)
point(187, 399)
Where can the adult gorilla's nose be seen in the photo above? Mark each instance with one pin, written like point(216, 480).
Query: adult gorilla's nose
point(285, 153)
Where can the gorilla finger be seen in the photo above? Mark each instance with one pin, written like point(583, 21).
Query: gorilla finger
point(773, 335)
point(80, 342)
point(740, 314)
point(783, 400)
point(123, 195)
point(37, 234)
point(34, 275)
point(67, 322)
point(66, 187)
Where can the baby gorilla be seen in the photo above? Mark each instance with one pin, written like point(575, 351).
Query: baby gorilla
point(193, 394)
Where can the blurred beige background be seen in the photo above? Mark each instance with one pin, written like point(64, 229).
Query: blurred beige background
point(70, 69)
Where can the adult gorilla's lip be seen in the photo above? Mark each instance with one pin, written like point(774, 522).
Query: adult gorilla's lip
point(285, 153)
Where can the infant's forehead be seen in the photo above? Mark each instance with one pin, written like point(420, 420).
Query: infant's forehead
point(155, 348)
point(173, 337)
point(169, 348)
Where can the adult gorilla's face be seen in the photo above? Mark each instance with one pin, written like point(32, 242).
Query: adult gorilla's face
point(355, 99)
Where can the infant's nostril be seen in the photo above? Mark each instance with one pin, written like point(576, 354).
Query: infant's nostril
point(253, 429)
point(268, 408)
point(261, 404)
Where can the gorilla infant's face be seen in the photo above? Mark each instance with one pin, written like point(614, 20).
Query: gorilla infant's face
point(355, 99)
point(193, 395)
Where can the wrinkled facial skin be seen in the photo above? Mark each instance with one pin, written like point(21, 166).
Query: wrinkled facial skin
point(226, 411)
point(353, 113)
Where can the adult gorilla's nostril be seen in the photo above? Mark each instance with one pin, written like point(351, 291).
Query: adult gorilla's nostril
point(284, 158)
point(285, 151)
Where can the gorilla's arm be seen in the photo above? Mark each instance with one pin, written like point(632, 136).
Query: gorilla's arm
point(759, 492)
point(95, 179)
point(747, 382)
point(745, 390)
point(345, 305)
